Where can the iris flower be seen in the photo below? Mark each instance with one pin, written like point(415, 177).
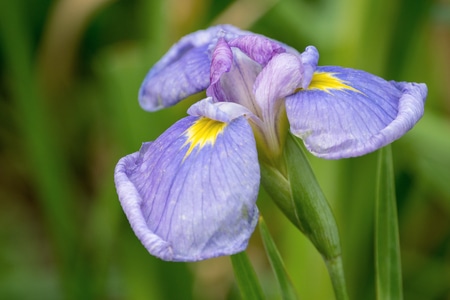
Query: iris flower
point(191, 194)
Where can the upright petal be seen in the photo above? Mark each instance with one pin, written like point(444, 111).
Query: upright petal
point(233, 74)
point(280, 78)
point(257, 47)
point(309, 58)
point(221, 63)
point(184, 69)
point(191, 194)
point(346, 112)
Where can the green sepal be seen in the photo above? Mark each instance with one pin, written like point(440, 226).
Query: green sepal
point(387, 245)
point(294, 188)
point(246, 278)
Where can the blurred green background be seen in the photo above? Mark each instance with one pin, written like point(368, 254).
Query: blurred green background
point(70, 72)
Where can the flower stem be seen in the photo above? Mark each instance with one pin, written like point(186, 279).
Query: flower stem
point(336, 271)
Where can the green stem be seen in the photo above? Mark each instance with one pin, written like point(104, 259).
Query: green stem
point(336, 270)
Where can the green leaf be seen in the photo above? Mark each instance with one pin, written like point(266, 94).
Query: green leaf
point(284, 282)
point(246, 278)
point(387, 245)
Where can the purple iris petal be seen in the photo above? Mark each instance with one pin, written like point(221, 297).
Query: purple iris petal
point(184, 69)
point(191, 203)
point(309, 59)
point(220, 111)
point(233, 76)
point(350, 113)
point(222, 59)
point(221, 63)
point(257, 47)
point(280, 78)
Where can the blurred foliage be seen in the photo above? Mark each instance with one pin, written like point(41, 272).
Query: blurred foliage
point(69, 75)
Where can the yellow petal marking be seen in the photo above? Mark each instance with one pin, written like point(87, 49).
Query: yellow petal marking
point(204, 131)
point(326, 82)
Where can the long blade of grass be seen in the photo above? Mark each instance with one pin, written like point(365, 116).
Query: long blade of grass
point(277, 264)
point(48, 169)
point(387, 245)
point(246, 278)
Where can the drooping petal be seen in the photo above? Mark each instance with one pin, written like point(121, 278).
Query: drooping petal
point(184, 69)
point(191, 194)
point(346, 112)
